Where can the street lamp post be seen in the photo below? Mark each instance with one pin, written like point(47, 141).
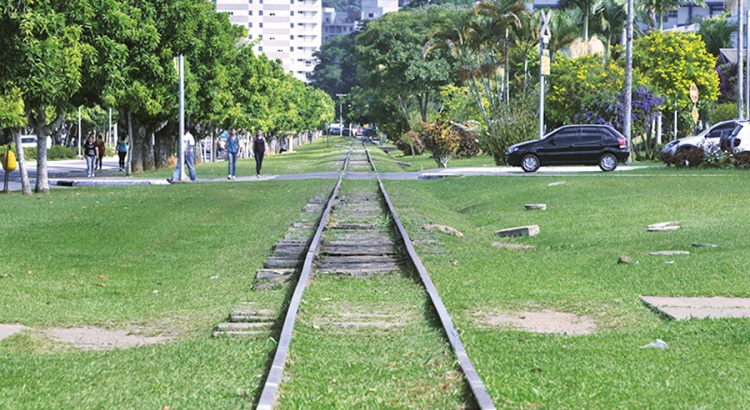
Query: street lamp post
point(341, 114)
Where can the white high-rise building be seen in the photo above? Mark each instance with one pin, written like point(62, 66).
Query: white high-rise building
point(290, 30)
point(374, 9)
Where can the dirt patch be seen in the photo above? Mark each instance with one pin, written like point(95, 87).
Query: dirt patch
point(546, 321)
point(94, 338)
point(8, 330)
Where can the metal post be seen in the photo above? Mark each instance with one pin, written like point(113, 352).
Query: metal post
point(181, 154)
point(79, 132)
point(109, 130)
point(740, 76)
point(628, 125)
point(507, 83)
point(675, 117)
point(544, 36)
point(747, 70)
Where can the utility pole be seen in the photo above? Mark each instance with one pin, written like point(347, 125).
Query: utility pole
point(544, 37)
point(627, 122)
point(740, 76)
point(181, 154)
point(341, 116)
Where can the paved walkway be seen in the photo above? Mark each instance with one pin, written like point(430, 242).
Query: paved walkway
point(69, 173)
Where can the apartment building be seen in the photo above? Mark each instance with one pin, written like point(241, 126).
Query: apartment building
point(336, 23)
point(676, 18)
point(287, 30)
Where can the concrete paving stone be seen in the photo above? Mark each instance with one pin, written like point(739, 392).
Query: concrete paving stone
point(8, 330)
point(684, 308)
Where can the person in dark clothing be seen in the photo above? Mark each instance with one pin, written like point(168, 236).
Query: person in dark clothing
point(89, 153)
point(259, 150)
point(100, 149)
point(122, 152)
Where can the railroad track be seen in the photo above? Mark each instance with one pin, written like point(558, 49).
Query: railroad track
point(359, 234)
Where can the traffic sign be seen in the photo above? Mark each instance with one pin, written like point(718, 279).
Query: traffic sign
point(694, 93)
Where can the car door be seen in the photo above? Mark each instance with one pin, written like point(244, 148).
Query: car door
point(591, 144)
point(559, 147)
point(713, 138)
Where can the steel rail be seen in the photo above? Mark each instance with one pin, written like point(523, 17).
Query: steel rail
point(475, 382)
point(271, 386)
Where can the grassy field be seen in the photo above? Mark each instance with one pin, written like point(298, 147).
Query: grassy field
point(175, 260)
point(590, 222)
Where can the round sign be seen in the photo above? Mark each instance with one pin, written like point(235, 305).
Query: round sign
point(693, 93)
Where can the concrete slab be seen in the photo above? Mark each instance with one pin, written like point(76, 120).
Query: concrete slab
point(684, 308)
point(8, 330)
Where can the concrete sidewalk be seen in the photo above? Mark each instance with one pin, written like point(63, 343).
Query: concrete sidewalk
point(71, 173)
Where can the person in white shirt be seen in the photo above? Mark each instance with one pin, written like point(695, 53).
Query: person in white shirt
point(188, 143)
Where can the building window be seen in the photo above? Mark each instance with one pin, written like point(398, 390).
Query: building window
point(271, 14)
point(260, 25)
point(272, 38)
point(249, 1)
point(291, 37)
point(328, 20)
point(249, 12)
point(279, 51)
point(250, 36)
point(260, 48)
point(291, 25)
point(308, 63)
point(672, 14)
point(260, 12)
point(371, 15)
point(291, 49)
point(291, 13)
point(250, 25)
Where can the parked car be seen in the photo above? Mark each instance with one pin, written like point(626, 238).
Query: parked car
point(708, 140)
point(739, 139)
point(572, 145)
point(334, 129)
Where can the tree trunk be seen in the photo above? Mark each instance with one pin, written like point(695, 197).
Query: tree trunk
point(130, 144)
point(136, 159)
point(25, 183)
point(149, 163)
point(39, 124)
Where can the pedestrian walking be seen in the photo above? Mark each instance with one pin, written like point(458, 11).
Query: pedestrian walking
point(122, 152)
point(100, 150)
point(188, 143)
point(89, 154)
point(233, 148)
point(259, 151)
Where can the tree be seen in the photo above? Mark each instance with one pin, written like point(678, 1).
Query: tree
point(670, 62)
point(43, 54)
point(656, 9)
point(389, 59)
point(12, 117)
point(716, 32)
point(586, 7)
point(336, 71)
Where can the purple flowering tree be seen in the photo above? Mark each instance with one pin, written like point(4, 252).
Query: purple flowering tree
point(609, 109)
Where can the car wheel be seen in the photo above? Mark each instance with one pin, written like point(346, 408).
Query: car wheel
point(608, 162)
point(530, 163)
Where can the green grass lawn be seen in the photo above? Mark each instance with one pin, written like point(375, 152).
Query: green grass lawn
point(590, 222)
point(58, 250)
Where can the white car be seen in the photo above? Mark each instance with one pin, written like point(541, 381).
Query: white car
point(707, 140)
point(739, 140)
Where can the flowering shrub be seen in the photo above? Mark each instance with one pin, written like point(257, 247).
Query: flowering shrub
point(468, 146)
point(410, 144)
point(716, 158)
point(441, 141)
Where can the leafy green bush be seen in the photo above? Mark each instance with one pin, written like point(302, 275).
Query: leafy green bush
point(515, 123)
point(722, 112)
point(60, 152)
point(29, 153)
point(742, 160)
point(689, 157)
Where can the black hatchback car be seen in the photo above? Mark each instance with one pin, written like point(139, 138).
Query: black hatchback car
point(572, 145)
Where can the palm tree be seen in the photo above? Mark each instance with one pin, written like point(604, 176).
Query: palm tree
point(656, 9)
point(610, 20)
point(586, 8)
